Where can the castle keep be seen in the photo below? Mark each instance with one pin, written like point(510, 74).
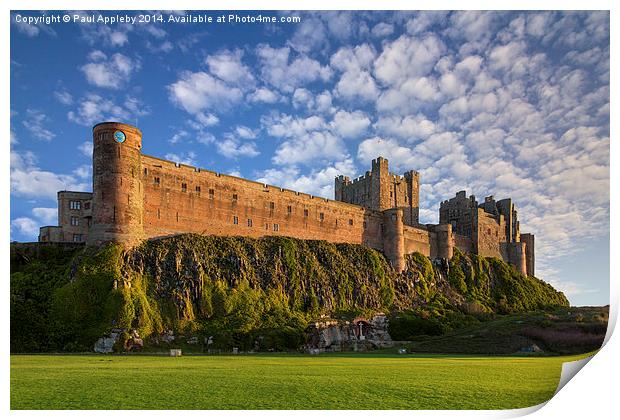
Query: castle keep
point(136, 197)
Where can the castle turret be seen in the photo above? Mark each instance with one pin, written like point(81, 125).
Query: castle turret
point(412, 204)
point(380, 184)
point(516, 256)
point(394, 238)
point(339, 184)
point(117, 187)
point(445, 241)
point(530, 256)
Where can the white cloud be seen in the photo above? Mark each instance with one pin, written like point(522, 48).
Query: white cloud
point(109, 73)
point(207, 120)
point(318, 182)
point(94, 108)
point(410, 127)
point(188, 158)
point(196, 92)
point(424, 20)
point(231, 147)
point(178, 137)
point(28, 180)
point(245, 132)
point(46, 215)
point(264, 95)
point(25, 226)
point(408, 57)
point(285, 74)
point(504, 56)
point(312, 146)
point(382, 30)
point(356, 82)
point(83, 171)
point(63, 97)
point(310, 34)
point(357, 85)
point(227, 66)
point(86, 148)
point(350, 124)
point(35, 124)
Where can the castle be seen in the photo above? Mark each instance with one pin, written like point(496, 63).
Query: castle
point(136, 197)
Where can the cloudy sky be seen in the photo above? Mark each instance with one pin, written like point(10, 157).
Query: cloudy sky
point(510, 104)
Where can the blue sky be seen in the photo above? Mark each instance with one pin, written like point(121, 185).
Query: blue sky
point(514, 104)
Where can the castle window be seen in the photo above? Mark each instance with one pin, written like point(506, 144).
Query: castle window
point(249, 222)
point(77, 238)
point(211, 193)
point(289, 209)
point(75, 221)
point(305, 212)
point(75, 205)
point(235, 197)
point(276, 227)
point(266, 226)
point(87, 205)
point(89, 222)
point(235, 220)
point(272, 205)
point(146, 171)
point(350, 222)
point(198, 189)
point(184, 187)
point(156, 181)
point(321, 216)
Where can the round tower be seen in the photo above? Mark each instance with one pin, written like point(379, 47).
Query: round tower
point(117, 186)
point(394, 238)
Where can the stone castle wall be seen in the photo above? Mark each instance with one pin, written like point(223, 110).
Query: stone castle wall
point(180, 198)
point(136, 197)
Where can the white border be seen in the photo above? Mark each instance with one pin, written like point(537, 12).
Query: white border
point(591, 395)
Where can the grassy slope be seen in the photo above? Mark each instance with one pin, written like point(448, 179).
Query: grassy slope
point(573, 330)
point(282, 382)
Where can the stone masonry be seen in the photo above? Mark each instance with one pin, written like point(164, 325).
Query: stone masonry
point(136, 197)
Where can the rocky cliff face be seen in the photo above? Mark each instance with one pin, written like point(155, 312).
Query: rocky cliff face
point(243, 291)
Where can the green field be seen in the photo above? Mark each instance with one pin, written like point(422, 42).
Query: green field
point(343, 381)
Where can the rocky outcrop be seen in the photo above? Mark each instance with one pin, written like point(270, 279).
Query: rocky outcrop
point(357, 335)
point(106, 344)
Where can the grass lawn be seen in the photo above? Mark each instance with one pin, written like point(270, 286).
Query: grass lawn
point(343, 381)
